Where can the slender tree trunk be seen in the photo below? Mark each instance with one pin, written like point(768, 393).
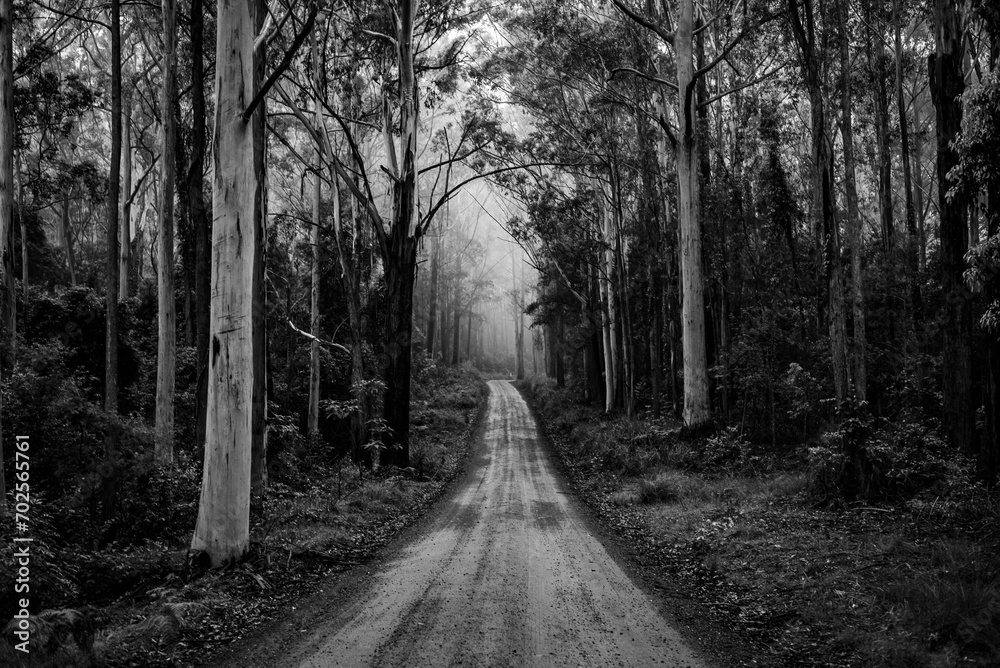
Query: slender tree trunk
point(164, 448)
point(697, 405)
point(223, 528)
point(911, 219)
point(199, 215)
point(312, 426)
point(433, 308)
point(947, 86)
point(109, 492)
point(918, 191)
point(67, 234)
point(258, 458)
point(876, 62)
point(124, 240)
point(853, 217)
point(456, 325)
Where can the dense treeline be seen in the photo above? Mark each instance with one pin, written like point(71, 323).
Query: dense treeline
point(777, 217)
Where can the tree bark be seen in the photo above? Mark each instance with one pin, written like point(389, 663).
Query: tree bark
point(947, 86)
point(166, 347)
point(109, 484)
point(433, 308)
point(200, 222)
point(223, 528)
point(258, 455)
point(126, 215)
point(312, 425)
point(853, 217)
point(697, 406)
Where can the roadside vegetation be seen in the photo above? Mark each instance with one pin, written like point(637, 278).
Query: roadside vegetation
point(134, 593)
point(762, 541)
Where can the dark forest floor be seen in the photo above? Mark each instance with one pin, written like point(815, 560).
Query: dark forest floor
point(761, 574)
point(316, 519)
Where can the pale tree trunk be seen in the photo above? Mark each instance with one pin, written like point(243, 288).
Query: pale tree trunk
point(223, 528)
point(697, 407)
point(312, 425)
point(607, 324)
point(67, 234)
point(109, 484)
point(166, 348)
point(6, 205)
point(518, 322)
point(124, 239)
point(853, 217)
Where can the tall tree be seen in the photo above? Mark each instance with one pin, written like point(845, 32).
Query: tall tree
point(111, 289)
point(223, 528)
point(809, 41)
point(312, 424)
point(199, 214)
point(853, 217)
point(947, 85)
point(167, 317)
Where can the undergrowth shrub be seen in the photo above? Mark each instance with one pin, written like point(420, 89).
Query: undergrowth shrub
point(872, 458)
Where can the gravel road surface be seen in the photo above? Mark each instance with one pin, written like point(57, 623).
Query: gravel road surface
point(508, 573)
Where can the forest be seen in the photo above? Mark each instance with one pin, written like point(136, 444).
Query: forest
point(256, 259)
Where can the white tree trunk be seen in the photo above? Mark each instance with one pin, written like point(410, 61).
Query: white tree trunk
point(223, 528)
point(166, 347)
point(697, 407)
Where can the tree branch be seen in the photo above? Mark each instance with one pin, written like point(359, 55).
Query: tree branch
point(285, 62)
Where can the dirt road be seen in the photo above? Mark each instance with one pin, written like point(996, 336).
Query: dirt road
point(508, 574)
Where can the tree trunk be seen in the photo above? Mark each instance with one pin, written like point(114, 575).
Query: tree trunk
point(165, 352)
point(433, 308)
point(853, 217)
point(67, 234)
point(911, 219)
point(697, 406)
point(258, 456)
point(400, 274)
point(223, 528)
point(456, 324)
point(199, 215)
point(947, 85)
point(109, 483)
point(125, 223)
point(876, 62)
point(824, 206)
point(312, 424)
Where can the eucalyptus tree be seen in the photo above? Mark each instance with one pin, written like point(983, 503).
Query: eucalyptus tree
point(679, 33)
